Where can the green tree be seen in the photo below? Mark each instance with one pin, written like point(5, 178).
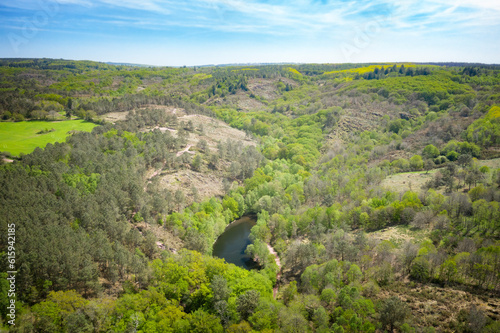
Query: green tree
point(430, 151)
point(247, 302)
point(203, 322)
point(243, 327)
point(231, 204)
point(448, 270)
point(220, 289)
point(196, 163)
point(416, 163)
point(179, 198)
point(393, 312)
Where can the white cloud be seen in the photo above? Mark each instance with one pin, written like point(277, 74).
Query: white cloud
point(294, 17)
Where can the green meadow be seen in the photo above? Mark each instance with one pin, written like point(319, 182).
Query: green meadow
point(23, 137)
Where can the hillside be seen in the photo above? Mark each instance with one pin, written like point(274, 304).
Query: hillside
point(378, 186)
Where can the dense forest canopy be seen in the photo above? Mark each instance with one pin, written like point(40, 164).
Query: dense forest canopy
point(378, 185)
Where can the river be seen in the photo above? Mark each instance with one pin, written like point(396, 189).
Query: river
point(232, 243)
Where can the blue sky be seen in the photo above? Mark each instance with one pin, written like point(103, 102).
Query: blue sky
point(198, 32)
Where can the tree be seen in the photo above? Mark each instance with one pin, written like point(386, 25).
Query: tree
point(354, 274)
point(428, 165)
point(393, 313)
point(449, 177)
point(179, 198)
point(213, 161)
point(247, 302)
point(220, 289)
point(416, 163)
point(90, 115)
point(243, 327)
point(430, 151)
point(235, 170)
point(422, 219)
point(202, 322)
point(196, 163)
point(408, 254)
point(448, 270)
point(477, 319)
point(420, 269)
point(465, 160)
point(202, 145)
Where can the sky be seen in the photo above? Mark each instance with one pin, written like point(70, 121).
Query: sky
point(203, 32)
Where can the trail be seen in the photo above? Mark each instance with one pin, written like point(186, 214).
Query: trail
point(185, 150)
point(278, 262)
point(164, 129)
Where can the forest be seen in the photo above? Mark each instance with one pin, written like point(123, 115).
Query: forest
point(378, 186)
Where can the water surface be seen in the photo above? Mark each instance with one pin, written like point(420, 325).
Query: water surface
point(232, 243)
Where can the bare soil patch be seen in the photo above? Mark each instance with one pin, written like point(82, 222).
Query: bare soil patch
point(113, 117)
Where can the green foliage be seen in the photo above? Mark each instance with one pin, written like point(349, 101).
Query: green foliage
point(51, 314)
point(486, 130)
point(416, 163)
point(431, 151)
point(314, 197)
point(393, 313)
point(85, 184)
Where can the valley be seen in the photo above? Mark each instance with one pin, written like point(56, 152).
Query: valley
point(373, 192)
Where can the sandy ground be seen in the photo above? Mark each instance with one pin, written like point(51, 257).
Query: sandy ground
point(278, 262)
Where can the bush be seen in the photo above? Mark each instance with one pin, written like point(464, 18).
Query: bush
point(402, 164)
point(452, 155)
point(440, 160)
point(18, 117)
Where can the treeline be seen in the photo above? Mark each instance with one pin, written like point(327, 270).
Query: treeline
point(134, 101)
point(380, 73)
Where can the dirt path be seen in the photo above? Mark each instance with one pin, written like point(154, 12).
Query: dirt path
point(164, 129)
point(185, 150)
point(278, 262)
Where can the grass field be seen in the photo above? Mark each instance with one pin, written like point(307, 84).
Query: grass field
point(402, 182)
point(22, 137)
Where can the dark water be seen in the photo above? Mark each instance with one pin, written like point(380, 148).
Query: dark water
point(232, 243)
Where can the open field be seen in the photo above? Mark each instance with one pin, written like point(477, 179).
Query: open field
point(493, 163)
point(414, 181)
point(22, 137)
point(402, 182)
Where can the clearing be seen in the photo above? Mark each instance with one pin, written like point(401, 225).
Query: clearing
point(408, 181)
point(208, 183)
point(23, 137)
point(415, 181)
